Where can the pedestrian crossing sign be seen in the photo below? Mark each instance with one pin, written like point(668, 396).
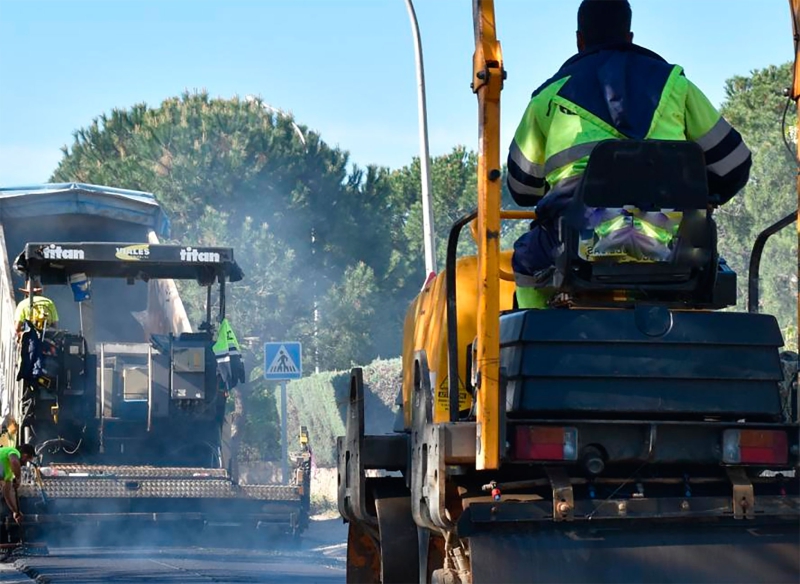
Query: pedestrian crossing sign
point(283, 361)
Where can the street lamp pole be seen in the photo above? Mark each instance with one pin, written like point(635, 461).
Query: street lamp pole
point(429, 238)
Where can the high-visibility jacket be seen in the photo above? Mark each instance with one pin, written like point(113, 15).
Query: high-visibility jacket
point(230, 368)
point(44, 311)
point(5, 463)
point(619, 91)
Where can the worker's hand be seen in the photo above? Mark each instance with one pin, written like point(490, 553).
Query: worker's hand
point(18, 517)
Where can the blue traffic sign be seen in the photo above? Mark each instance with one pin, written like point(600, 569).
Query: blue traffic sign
point(283, 361)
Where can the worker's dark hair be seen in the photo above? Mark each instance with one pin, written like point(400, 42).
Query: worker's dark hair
point(27, 449)
point(604, 21)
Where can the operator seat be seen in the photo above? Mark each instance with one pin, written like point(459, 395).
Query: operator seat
point(648, 178)
point(656, 351)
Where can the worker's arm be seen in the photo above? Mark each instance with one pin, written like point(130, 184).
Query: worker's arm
point(728, 158)
point(526, 178)
point(10, 497)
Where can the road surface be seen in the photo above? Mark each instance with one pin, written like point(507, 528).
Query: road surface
point(320, 557)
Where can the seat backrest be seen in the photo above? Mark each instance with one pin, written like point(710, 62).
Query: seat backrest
point(653, 177)
point(650, 174)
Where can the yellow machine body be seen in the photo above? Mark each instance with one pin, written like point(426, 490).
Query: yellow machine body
point(425, 329)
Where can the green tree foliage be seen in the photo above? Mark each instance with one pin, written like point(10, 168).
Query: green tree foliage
point(259, 426)
point(231, 172)
point(453, 194)
point(755, 105)
point(348, 317)
point(454, 186)
point(320, 401)
point(265, 299)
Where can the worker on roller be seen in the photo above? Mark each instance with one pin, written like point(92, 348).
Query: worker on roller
point(611, 89)
point(12, 460)
point(43, 314)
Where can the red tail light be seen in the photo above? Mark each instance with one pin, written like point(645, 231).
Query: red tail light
point(545, 443)
point(755, 447)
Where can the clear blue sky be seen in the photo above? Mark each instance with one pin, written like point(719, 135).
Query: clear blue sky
point(344, 67)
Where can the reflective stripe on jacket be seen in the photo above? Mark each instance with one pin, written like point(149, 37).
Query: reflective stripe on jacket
point(618, 92)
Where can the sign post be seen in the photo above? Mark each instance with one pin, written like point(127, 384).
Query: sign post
point(283, 362)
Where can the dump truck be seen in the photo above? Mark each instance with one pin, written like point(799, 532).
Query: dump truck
point(122, 398)
point(638, 428)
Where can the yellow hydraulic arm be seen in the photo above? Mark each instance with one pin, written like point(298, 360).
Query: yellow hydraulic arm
point(487, 83)
point(795, 7)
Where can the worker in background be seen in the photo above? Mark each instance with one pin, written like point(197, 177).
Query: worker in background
point(611, 89)
point(12, 460)
point(44, 311)
point(8, 431)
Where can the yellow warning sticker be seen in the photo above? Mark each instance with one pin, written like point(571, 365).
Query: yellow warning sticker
point(443, 401)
